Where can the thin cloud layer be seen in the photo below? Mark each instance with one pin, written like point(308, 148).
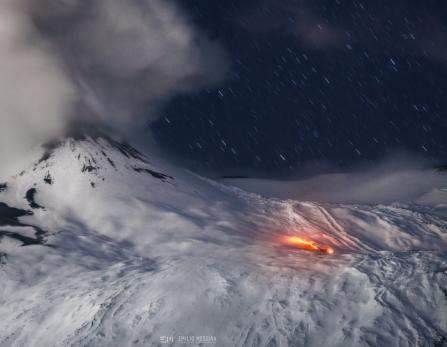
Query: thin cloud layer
point(400, 28)
point(297, 19)
point(395, 180)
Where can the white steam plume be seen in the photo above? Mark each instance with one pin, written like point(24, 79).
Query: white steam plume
point(35, 94)
point(113, 61)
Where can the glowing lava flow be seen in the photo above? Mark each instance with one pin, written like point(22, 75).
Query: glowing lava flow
point(298, 242)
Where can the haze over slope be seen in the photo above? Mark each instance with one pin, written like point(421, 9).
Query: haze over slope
point(401, 180)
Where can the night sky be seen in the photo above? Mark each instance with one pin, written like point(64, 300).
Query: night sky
point(324, 80)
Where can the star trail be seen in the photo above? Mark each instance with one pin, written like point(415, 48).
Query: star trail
point(343, 82)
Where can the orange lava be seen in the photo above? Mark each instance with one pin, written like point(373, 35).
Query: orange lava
point(298, 242)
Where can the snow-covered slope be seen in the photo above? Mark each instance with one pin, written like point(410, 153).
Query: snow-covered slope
point(102, 246)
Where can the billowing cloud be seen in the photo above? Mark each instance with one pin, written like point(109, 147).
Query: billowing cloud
point(35, 93)
point(112, 61)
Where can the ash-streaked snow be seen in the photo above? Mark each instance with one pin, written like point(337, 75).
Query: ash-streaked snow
point(133, 250)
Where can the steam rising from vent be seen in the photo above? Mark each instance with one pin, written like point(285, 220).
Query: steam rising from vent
point(113, 61)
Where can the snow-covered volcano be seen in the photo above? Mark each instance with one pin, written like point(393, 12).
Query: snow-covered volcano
point(103, 246)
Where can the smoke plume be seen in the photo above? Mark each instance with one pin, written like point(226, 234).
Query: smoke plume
point(113, 61)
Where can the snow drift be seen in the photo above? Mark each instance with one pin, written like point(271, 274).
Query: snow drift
point(103, 246)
